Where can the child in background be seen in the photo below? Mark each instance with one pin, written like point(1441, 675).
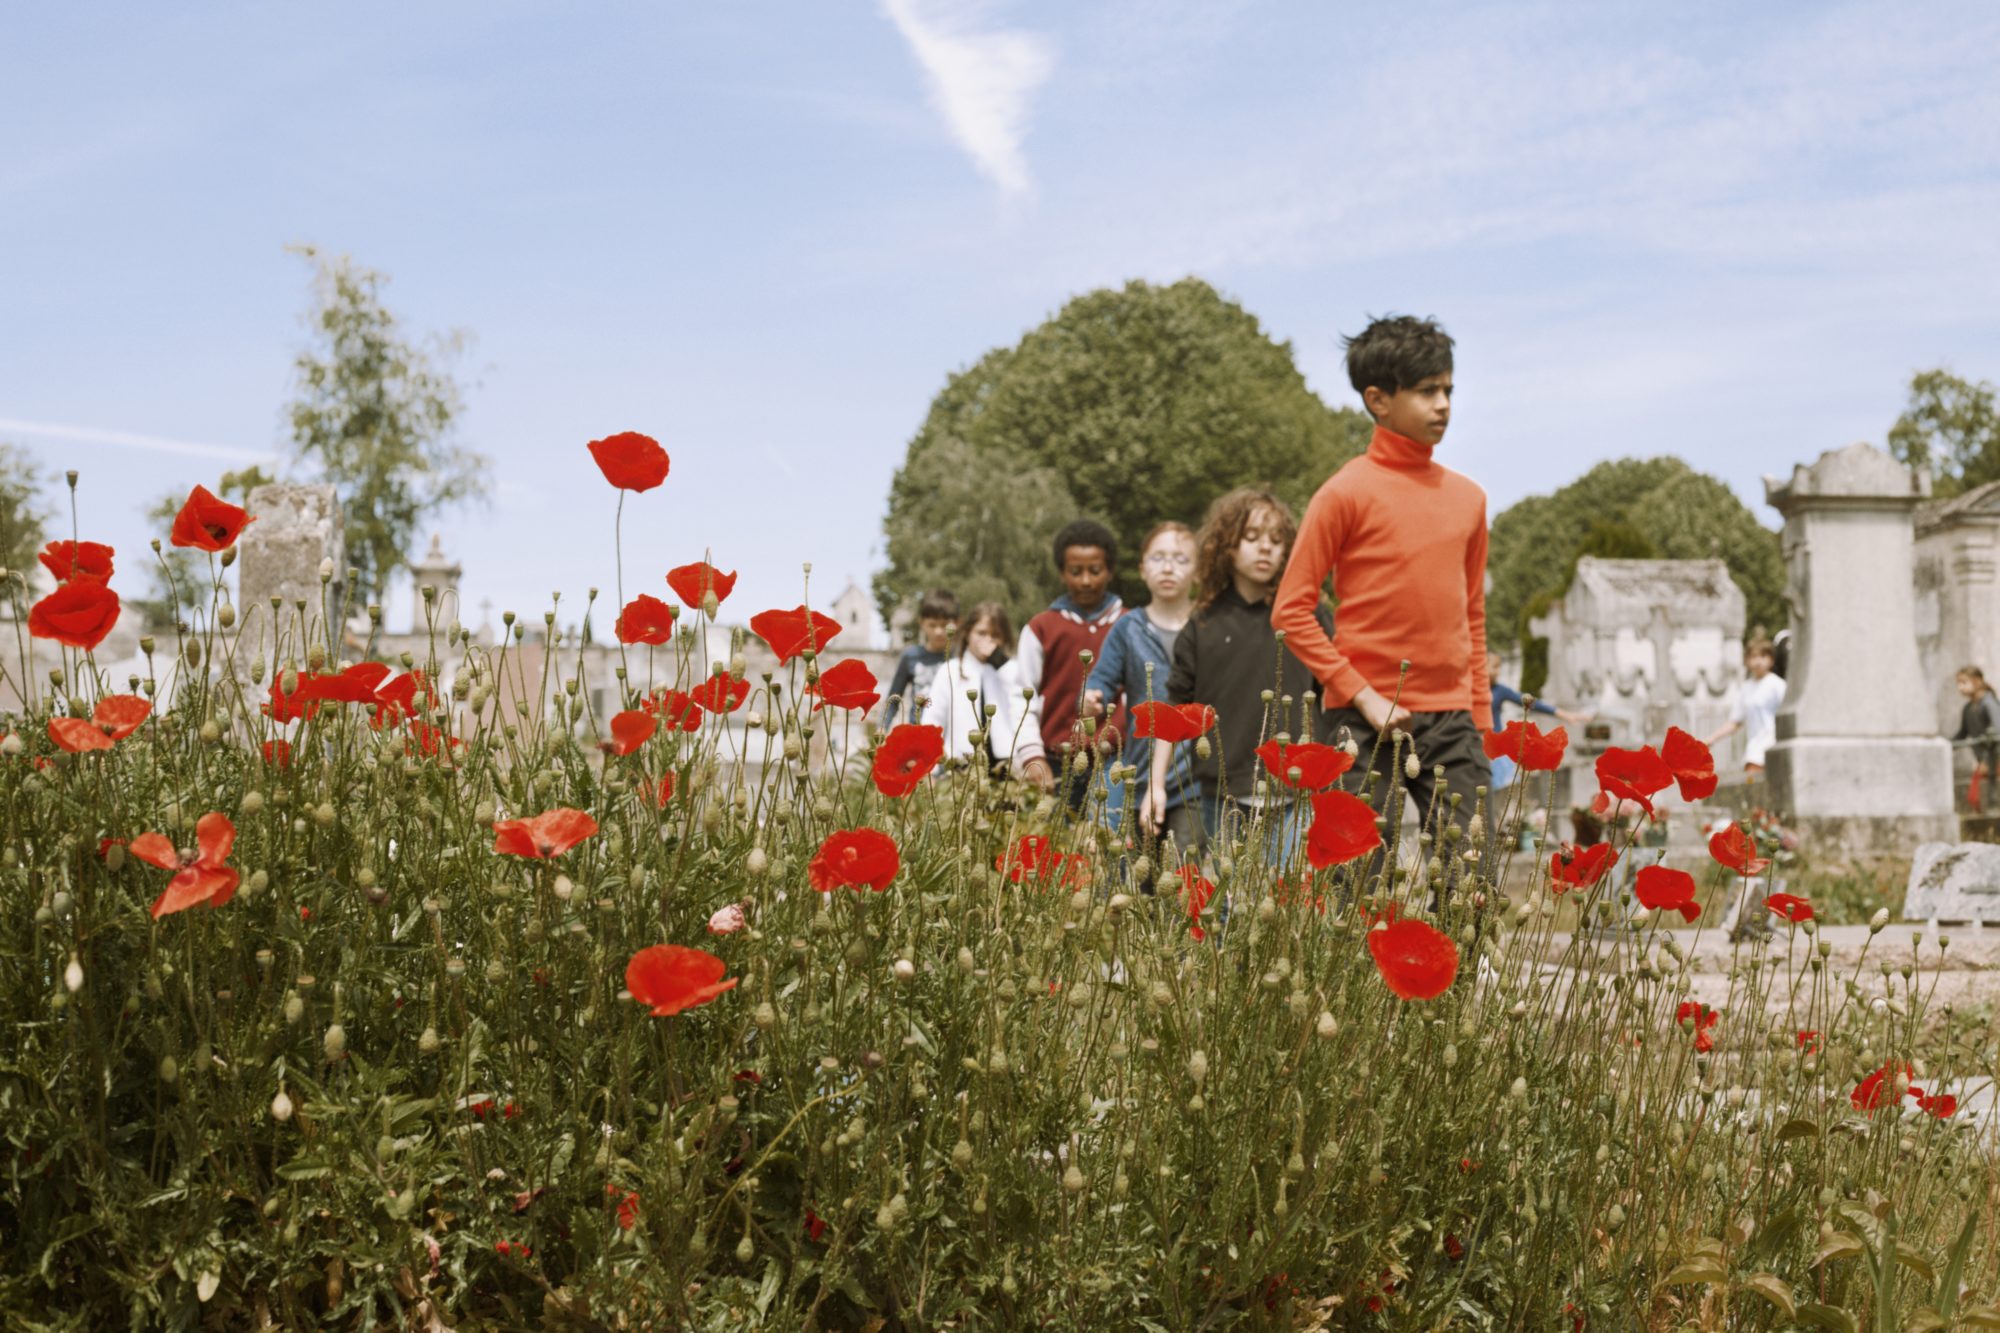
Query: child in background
point(1405, 540)
point(1755, 711)
point(977, 678)
point(1138, 658)
point(937, 622)
point(1049, 661)
point(1979, 723)
point(1226, 657)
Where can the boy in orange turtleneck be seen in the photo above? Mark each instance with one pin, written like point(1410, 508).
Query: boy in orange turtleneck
point(1404, 539)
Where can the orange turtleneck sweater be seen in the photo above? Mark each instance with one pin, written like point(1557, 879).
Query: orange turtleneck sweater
point(1405, 541)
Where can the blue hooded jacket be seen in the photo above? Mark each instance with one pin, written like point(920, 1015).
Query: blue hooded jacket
point(1132, 646)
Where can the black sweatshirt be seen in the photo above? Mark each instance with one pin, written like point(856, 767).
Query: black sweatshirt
point(1226, 658)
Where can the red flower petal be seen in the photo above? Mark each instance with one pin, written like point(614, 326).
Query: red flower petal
point(78, 614)
point(645, 619)
point(721, 693)
point(630, 730)
point(78, 735)
point(680, 710)
point(1343, 829)
point(1732, 847)
point(855, 858)
point(1031, 856)
point(1580, 867)
point(1416, 960)
point(194, 886)
point(671, 978)
point(630, 461)
point(1318, 766)
point(1692, 765)
point(1662, 888)
point(1634, 775)
point(1172, 723)
point(1535, 750)
point(1195, 895)
point(155, 849)
point(790, 633)
point(1790, 906)
point(121, 713)
point(207, 523)
point(214, 835)
point(848, 684)
point(908, 753)
point(545, 835)
point(69, 560)
point(278, 753)
point(692, 583)
point(659, 793)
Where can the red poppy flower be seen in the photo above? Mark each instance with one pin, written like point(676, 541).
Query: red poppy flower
point(1417, 960)
point(1809, 1040)
point(673, 977)
point(790, 633)
point(628, 1208)
point(1343, 829)
point(1031, 857)
point(1172, 723)
point(855, 858)
point(848, 684)
point(79, 614)
point(658, 793)
point(1535, 750)
point(693, 583)
point(721, 693)
point(1662, 888)
point(677, 708)
point(1634, 775)
point(815, 1225)
point(278, 753)
point(198, 878)
point(1195, 893)
point(545, 835)
point(67, 560)
point(1318, 766)
point(121, 714)
point(645, 620)
point(1876, 1091)
point(397, 699)
point(1942, 1105)
point(1704, 1018)
point(1575, 867)
point(908, 752)
point(303, 701)
point(1691, 763)
point(1790, 906)
point(630, 730)
point(1732, 847)
point(630, 461)
point(429, 741)
point(208, 523)
point(350, 685)
point(78, 735)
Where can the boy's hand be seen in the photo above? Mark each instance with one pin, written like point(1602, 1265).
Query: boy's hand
point(1382, 715)
point(1153, 808)
point(1093, 703)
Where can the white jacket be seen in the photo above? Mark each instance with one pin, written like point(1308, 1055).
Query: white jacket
point(958, 717)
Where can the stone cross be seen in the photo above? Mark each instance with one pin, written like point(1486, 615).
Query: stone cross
point(297, 527)
point(1858, 763)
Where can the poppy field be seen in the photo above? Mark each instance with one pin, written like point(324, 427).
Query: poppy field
point(338, 993)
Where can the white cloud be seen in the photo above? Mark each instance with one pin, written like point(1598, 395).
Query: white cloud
point(980, 79)
point(49, 430)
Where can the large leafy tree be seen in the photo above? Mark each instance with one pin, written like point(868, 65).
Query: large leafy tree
point(375, 414)
point(1131, 406)
point(1951, 426)
point(1631, 508)
point(23, 520)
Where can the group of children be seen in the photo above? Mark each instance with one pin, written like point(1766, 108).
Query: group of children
point(1235, 620)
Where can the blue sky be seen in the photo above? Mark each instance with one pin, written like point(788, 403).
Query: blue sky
point(765, 233)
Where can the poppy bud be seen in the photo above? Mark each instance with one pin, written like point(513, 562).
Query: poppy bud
point(281, 1107)
point(170, 1070)
point(1879, 920)
point(1197, 1067)
point(252, 802)
point(745, 1250)
point(961, 1154)
point(1327, 1027)
point(564, 888)
point(429, 1042)
point(1411, 768)
point(1518, 1089)
point(1072, 1180)
point(335, 1042)
point(323, 814)
point(225, 615)
point(210, 733)
point(756, 863)
point(1202, 749)
point(73, 975)
point(904, 970)
point(295, 1008)
point(12, 746)
point(966, 962)
point(765, 1017)
point(191, 650)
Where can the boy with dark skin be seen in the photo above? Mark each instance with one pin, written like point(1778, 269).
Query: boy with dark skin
point(1050, 658)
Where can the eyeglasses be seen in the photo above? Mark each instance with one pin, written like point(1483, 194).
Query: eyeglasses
point(1169, 560)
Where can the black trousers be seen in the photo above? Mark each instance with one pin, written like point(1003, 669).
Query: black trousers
point(1447, 740)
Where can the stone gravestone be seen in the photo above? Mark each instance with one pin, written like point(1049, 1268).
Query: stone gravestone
point(297, 527)
point(1954, 881)
point(1858, 766)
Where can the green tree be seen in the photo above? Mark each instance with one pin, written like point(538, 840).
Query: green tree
point(1952, 427)
point(23, 520)
point(1626, 508)
point(1131, 406)
point(375, 414)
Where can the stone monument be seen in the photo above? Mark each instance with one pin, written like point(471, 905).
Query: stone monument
point(1954, 882)
point(1958, 594)
point(1858, 766)
point(297, 527)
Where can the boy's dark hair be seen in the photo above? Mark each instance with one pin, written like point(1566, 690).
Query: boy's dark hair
point(1086, 532)
point(1395, 352)
point(938, 604)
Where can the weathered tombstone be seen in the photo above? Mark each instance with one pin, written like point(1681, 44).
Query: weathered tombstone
point(297, 527)
point(1954, 881)
point(1858, 766)
point(1958, 593)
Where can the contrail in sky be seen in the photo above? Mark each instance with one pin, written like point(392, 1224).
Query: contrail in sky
point(131, 440)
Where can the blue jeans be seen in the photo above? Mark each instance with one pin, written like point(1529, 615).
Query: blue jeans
point(1227, 825)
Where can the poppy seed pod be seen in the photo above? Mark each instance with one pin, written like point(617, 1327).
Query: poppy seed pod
point(281, 1107)
point(756, 863)
point(1202, 748)
point(335, 1042)
point(1878, 921)
point(904, 970)
point(1197, 1067)
point(1327, 1027)
point(429, 1042)
point(73, 975)
point(1411, 768)
point(1072, 1180)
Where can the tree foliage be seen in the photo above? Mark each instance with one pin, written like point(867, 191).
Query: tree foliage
point(1132, 406)
point(1628, 508)
point(375, 414)
point(1951, 426)
point(23, 520)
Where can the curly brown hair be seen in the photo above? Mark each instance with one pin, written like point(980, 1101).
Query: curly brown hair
point(1222, 531)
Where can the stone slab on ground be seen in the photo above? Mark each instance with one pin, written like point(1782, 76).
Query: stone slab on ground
point(1954, 881)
